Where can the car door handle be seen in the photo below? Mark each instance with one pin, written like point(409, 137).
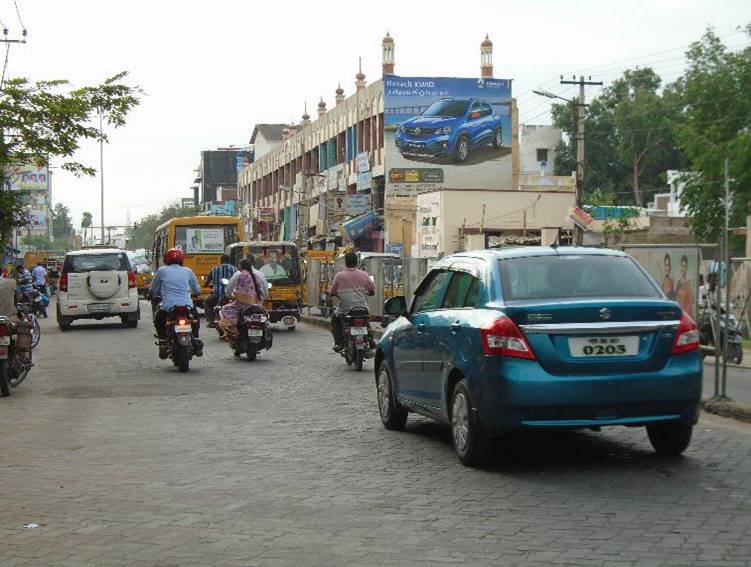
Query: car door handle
point(455, 327)
point(421, 328)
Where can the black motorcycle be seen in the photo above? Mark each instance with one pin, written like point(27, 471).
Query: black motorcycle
point(357, 343)
point(253, 332)
point(181, 345)
point(15, 353)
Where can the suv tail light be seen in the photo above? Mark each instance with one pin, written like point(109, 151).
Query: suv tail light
point(131, 280)
point(503, 338)
point(64, 282)
point(686, 337)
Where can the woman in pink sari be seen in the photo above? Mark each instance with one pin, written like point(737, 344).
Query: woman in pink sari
point(247, 287)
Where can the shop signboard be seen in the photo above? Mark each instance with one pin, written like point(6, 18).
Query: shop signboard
point(364, 181)
point(447, 133)
point(358, 226)
point(358, 204)
point(264, 214)
point(581, 218)
point(363, 162)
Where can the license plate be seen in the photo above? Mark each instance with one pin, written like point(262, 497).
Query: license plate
point(255, 332)
point(359, 331)
point(4, 341)
point(593, 347)
point(99, 306)
point(183, 329)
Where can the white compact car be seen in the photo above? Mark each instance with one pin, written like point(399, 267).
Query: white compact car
point(97, 283)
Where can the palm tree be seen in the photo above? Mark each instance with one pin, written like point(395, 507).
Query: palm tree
point(86, 221)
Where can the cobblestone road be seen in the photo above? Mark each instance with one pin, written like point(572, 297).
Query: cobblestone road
point(121, 460)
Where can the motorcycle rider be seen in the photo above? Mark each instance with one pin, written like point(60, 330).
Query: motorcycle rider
point(39, 273)
point(174, 283)
point(352, 286)
point(246, 287)
point(225, 270)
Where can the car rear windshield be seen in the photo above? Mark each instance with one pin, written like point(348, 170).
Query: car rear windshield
point(97, 263)
point(574, 276)
point(453, 108)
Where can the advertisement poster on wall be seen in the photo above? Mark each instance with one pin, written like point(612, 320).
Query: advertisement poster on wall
point(358, 204)
point(33, 178)
point(204, 240)
point(675, 269)
point(446, 133)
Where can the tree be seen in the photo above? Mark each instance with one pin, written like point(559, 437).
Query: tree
point(47, 119)
point(715, 124)
point(62, 226)
point(86, 221)
point(142, 236)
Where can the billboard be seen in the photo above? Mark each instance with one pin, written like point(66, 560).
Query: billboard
point(204, 240)
point(446, 133)
point(675, 269)
point(33, 178)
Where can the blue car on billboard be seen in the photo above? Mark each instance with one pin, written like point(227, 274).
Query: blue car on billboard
point(450, 127)
point(540, 338)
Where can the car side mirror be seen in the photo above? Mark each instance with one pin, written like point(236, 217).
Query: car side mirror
point(395, 306)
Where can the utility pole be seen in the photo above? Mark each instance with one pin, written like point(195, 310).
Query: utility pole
point(101, 170)
point(580, 115)
point(728, 275)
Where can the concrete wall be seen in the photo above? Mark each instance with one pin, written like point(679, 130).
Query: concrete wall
point(533, 137)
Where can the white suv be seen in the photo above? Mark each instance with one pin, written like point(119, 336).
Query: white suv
point(97, 283)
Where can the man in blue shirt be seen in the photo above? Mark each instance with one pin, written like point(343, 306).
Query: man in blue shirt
point(24, 279)
point(40, 278)
point(174, 283)
point(225, 270)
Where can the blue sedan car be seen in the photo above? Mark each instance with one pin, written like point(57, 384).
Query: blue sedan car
point(450, 127)
point(535, 338)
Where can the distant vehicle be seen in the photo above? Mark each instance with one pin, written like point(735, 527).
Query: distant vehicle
point(202, 239)
point(95, 284)
point(540, 338)
point(450, 127)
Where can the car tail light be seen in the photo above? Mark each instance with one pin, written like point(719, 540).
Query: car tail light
point(359, 323)
point(503, 338)
point(64, 282)
point(687, 335)
point(131, 280)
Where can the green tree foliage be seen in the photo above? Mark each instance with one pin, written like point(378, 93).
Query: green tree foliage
point(715, 124)
point(87, 220)
point(62, 225)
point(142, 235)
point(48, 119)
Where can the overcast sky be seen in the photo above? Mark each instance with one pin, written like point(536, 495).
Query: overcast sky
point(212, 69)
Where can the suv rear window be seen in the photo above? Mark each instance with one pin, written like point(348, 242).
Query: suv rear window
point(573, 276)
point(96, 262)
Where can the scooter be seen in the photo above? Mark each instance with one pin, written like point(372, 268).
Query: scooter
point(356, 337)
point(253, 332)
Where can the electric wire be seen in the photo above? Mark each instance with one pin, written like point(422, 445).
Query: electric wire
point(19, 15)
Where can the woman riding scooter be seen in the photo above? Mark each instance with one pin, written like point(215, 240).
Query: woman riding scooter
point(247, 287)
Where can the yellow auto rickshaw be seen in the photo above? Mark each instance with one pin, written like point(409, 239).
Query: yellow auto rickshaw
point(279, 262)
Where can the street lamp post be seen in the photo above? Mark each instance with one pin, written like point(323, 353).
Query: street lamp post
point(101, 172)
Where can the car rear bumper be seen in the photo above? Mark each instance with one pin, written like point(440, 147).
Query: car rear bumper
point(516, 394)
point(81, 309)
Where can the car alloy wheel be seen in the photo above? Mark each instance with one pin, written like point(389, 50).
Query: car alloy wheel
point(460, 422)
point(463, 149)
point(393, 416)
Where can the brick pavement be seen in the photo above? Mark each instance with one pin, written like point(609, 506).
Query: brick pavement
point(284, 462)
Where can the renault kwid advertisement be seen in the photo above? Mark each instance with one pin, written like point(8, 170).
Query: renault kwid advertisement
point(447, 133)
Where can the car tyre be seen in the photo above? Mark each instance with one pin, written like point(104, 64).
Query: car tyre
point(128, 323)
point(393, 416)
point(461, 150)
point(470, 448)
point(670, 439)
point(498, 138)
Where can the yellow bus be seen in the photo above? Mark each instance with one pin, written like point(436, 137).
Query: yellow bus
point(202, 239)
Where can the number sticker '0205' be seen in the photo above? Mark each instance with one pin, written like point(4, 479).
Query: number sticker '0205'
point(604, 346)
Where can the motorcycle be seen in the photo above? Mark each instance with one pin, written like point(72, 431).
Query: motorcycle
point(253, 332)
point(710, 321)
point(357, 343)
point(40, 301)
point(15, 353)
point(28, 311)
point(180, 342)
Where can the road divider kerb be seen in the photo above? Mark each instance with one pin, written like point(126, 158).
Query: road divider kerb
point(728, 408)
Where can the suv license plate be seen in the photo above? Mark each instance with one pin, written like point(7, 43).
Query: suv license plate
point(359, 331)
point(99, 306)
point(255, 332)
point(183, 328)
point(4, 341)
point(592, 347)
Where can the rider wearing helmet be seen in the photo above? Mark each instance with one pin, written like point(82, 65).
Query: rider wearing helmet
point(174, 283)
